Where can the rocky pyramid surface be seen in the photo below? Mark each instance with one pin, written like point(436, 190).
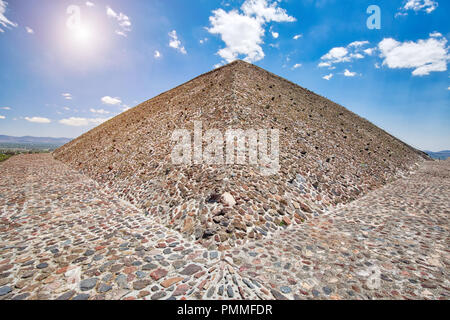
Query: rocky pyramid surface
point(328, 156)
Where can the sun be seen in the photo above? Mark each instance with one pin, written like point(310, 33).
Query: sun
point(81, 43)
point(83, 35)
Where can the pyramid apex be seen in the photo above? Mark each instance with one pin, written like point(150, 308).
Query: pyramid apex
point(238, 62)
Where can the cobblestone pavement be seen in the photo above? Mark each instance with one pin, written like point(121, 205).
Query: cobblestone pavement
point(62, 236)
point(393, 243)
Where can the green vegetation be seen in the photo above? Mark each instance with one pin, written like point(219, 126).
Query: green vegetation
point(7, 150)
point(25, 147)
point(4, 157)
point(5, 154)
point(10, 149)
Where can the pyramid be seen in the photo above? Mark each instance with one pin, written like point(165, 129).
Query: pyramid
point(328, 156)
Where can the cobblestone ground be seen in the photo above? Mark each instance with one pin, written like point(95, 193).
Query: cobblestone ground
point(64, 237)
point(393, 243)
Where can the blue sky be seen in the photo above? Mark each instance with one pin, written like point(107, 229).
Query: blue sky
point(61, 76)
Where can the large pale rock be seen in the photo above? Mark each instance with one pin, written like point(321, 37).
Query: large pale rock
point(227, 199)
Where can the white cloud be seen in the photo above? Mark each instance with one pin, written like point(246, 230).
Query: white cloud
point(29, 30)
point(99, 111)
point(175, 43)
point(420, 5)
point(157, 54)
point(424, 56)
point(358, 43)
point(297, 36)
point(123, 20)
point(297, 65)
point(4, 21)
point(202, 41)
point(328, 77)
point(324, 64)
point(2, 117)
point(348, 73)
point(275, 35)
point(67, 96)
point(349, 53)
point(89, 4)
point(448, 88)
point(38, 120)
point(261, 9)
point(82, 122)
point(5, 108)
point(369, 51)
point(435, 34)
point(243, 32)
point(111, 100)
point(336, 55)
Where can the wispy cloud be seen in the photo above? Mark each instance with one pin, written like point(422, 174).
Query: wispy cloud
point(243, 31)
point(348, 73)
point(369, 51)
point(328, 77)
point(297, 36)
point(82, 122)
point(111, 100)
point(5, 22)
point(99, 111)
point(29, 30)
point(5, 108)
point(89, 4)
point(297, 65)
point(38, 119)
point(157, 54)
point(427, 6)
point(67, 96)
point(175, 42)
point(2, 117)
point(349, 53)
point(123, 20)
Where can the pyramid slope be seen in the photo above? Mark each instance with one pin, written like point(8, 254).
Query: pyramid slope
point(328, 156)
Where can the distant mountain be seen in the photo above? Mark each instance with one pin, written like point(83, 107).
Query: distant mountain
point(33, 140)
point(441, 155)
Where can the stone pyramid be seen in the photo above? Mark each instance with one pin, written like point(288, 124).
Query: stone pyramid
point(328, 156)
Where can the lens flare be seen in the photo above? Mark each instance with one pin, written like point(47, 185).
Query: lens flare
point(83, 34)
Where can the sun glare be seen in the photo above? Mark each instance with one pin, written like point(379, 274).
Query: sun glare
point(81, 43)
point(83, 35)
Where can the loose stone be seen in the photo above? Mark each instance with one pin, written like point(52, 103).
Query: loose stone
point(88, 284)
